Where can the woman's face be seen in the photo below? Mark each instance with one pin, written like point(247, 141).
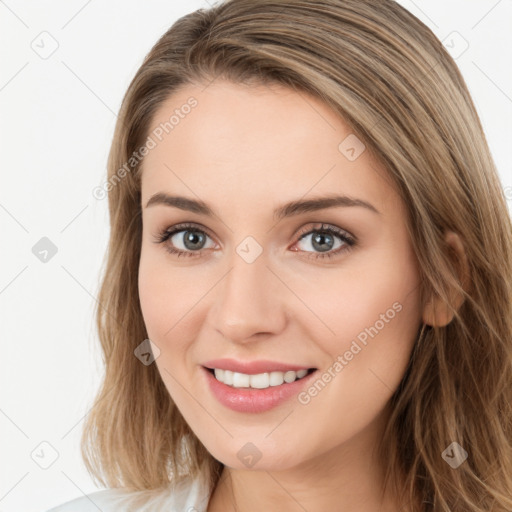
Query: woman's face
point(253, 281)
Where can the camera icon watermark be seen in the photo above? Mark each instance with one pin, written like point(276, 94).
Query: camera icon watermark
point(455, 455)
point(351, 147)
point(44, 455)
point(45, 45)
point(455, 44)
point(249, 249)
point(249, 454)
point(44, 250)
point(147, 352)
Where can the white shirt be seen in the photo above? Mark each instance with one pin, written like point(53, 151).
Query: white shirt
point(189, 496)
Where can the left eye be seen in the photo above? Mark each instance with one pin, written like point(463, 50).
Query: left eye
point(192, 240)
point(323, 240)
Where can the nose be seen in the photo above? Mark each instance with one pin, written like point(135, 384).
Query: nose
point(250, 301)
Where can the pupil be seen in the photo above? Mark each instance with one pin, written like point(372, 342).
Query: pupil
point(193, 238)
point(320, 244)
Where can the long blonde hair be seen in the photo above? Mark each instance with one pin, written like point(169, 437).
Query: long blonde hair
point(393, 83)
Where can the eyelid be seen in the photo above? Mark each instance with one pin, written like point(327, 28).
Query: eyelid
point(182, 226)
point(326, 227)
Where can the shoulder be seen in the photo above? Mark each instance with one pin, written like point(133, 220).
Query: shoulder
point(188, 495)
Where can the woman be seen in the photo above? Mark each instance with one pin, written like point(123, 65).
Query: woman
point(307, 298)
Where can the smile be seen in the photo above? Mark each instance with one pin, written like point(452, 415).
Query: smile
point(260, 380)
point(255, 393)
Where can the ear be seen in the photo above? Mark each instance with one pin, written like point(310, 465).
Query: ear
point(436, 312)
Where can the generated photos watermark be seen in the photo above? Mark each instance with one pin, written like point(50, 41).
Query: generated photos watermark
point(344, 359)
point(156, 136)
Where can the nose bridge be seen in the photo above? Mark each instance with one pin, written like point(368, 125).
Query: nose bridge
point(247, 302)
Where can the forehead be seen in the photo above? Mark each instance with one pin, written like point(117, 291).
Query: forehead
point(257, 143)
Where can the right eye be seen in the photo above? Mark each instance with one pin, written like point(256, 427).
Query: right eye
point(191, 238)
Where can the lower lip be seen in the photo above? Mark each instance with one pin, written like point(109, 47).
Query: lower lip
point(251, 399)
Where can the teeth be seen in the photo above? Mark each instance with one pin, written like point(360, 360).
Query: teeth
point(258, 381)
point(240, 380)
point(276, 378)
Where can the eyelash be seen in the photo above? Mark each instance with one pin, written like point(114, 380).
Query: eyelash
point(166, 234)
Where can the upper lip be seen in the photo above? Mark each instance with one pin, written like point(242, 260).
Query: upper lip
point(253, 367)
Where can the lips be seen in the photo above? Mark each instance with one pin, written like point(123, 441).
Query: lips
point(253, 367)
point(250, 400)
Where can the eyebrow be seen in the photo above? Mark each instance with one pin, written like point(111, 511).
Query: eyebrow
point(287, 210)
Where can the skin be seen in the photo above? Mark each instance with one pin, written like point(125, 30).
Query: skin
point(245, 150)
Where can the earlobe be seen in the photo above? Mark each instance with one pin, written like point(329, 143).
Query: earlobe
point(436, 312)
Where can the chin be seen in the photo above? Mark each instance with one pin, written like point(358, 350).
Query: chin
point(257, 456)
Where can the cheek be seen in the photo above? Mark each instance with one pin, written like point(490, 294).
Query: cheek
point(164, 313)
point(163, 299)
point(375, 321)
point(379, 327)
point(171, 304)
point(151, 294)
point(375, 306)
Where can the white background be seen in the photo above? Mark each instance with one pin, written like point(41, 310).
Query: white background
point(57, 121)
